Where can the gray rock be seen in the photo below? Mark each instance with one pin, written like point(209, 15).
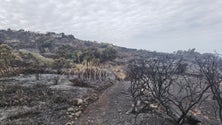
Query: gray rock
point(70, 109)
point(77, 114)
point(79, 102)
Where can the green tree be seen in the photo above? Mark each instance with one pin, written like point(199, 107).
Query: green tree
point(65, 51)
point(43, 43)
point(5, 55)
point(91, 54)
point(109, 54)
point(77, 56)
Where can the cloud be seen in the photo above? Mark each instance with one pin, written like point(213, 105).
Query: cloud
point(148, 24)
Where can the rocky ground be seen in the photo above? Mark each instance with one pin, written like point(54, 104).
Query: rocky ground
point(50, 99)
point(64, 100)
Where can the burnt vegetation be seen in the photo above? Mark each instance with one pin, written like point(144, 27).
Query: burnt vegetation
point(59, 75)
point(173, 88)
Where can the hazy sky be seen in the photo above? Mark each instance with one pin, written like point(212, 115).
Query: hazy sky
point(161, 25)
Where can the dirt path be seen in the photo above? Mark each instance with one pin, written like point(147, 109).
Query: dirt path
point(111, 108)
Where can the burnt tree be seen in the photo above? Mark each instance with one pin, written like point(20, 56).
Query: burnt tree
point(158, 81)
point(210, 66)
